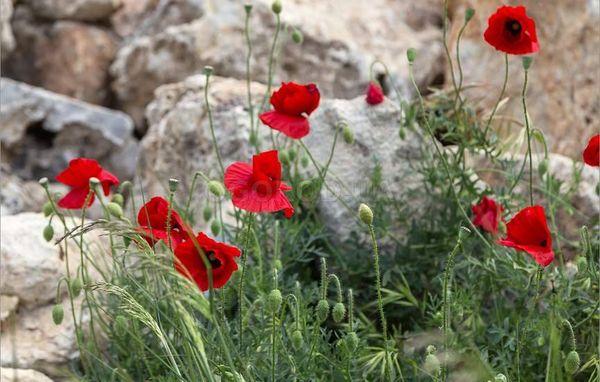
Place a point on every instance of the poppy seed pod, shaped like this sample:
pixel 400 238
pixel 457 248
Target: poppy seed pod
pixel 43 182
pixel 216 188
pixel 58 313
pixel 322 310
pixel 215 228
pixel 297 339
pixel 47 209
pixel 304 161
pixel 115 210
pixel 527 61
pixel 248 8
pixel 297 36
pixel 274 300
pixel 76 286
pixel 365 214
pixel 348 134
pixel 276 7
pixel 500 378
pixel 411 55
pixel 208 70
pixel 207 213
pixel 118 198
pixel 173 183
pixel 469 13
pixel 338 312
pixel 431 364
pixel 572 362
pixel 48 232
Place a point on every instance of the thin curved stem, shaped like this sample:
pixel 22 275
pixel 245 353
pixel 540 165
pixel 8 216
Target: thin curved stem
pixel 242 275
pixel 491 117
pixel 446 49
pixel 212 127
pixel 248 77
pixel 523 94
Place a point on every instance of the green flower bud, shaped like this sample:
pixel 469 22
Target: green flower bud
pixel 292 154
pixel 48 232
pixel 121 326
pixel 216 188
pixel 115 210
pixel 215 228
pixel 469 13
pixel 500 378
pixel 352 341
pixel 173 183
pixel 411 55
pixel 338 312
pixel 401 133
pixel 283 158
pixel 297 339
pixel 322 310
pixel 527 62
pixel 47 209
pixel 118 198
pixel 348 134
pixel 572 362
pixel 277 264
pixel 365 214
pixel 297 36
pixel 208 70
pixel 58 313
pixel 207 213
pixel 304 161
pixel 582 263
pixel 125 187
pixel 276 7
pixel 76 286
pixel 431 364
pixel 274 300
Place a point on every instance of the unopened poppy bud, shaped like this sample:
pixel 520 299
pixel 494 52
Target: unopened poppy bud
pixel 338 312
pixel 292 153
pixel 47 209
pixel 297 36
pixel 207 213
pixel 304 161
pixel 208 70
pixel 94 183
pixel 120 326
pixel 118 198
pixel 248 8
pixel 283 158
pixel 401 134
pixel 276 7
pixel 274 300
pixel 76 287
pixel 582 263
pixel 48 232
pixel 431 364
pixel 216 188
pixel 297 339
pixel 58 313
pixel 572 362
pixel 365 214
pixel 126 187
pixel 500 378
pixel 115 210
pixel 322 310
pixel 527 62
pixel 215 228
pixel 411 55
pixel 352 341
pixel 348 135
pixel 44 182
pixel 277 264
pixel 469 13
pixel 173 183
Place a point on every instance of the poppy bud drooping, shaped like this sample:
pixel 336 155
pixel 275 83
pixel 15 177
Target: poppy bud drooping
pixel 297 339
pixel 365 214
pixel 338 312
pixel 48 209
pixel 572 362
pixel 297 36
pixel 216 188
pixel 118 198
pixel 348 134
pixel 215 228
pixel 48 232
pixel 58 313
pixel 207 213
pixel 322 310
pixel 115 210
pixel 76 287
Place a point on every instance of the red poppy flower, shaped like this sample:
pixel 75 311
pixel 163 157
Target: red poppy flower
pixel 510 30
pixel 293 103
pixel 528 231
pixel 152 218
pixel 221 256
pixel 375 94
pixel 257 187
pixel 487 214
pixel 591 154
pixel 77 176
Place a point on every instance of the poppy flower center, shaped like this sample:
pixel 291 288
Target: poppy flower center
pixel 212 258
pixel 513 27
pixel 543 243
pixel 265 186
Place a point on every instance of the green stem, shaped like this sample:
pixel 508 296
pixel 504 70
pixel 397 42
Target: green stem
pixel 212 127
pixel 241 289
pixel 491 117
pixel 459 64
pixel 248 77
pixel 528 138
pixel 446 49
pixel 446 299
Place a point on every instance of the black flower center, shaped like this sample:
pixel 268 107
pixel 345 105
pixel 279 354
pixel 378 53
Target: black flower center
pixel 543 243
pixel 212 258
pixel 513 27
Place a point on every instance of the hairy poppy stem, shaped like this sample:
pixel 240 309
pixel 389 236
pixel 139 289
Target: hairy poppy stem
pixel 459 64
pixel 211 124
pixel 491 117
pixel 249 79
pixel 446 49
pixel 523 95
pixel 241 289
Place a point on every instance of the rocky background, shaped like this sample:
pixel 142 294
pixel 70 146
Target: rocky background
pixel 119 81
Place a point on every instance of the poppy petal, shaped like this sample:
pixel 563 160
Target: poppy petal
pixel 295 127
pixel 75 199
pixel 79 172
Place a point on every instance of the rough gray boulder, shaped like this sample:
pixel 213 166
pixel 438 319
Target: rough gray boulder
pixel 83 10
pixel 42 131
pixel 7 39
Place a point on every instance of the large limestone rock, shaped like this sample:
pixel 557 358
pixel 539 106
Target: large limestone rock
pixel 338 47
pixel 148 17
pixel 7 39
pixel 22 375
pixel 84 10
pixel 66 57
pixel 41 131
pixel 17 195
pixel 564 90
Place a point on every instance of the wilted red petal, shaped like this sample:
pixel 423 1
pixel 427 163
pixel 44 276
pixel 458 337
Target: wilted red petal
pixel 591 154
pixel 510 30
pixel 486 215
